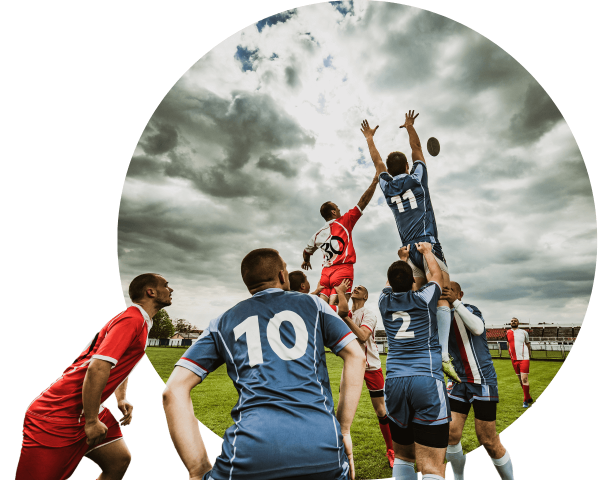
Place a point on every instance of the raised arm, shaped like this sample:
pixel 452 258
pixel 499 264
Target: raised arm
pixel 471 321
pixel 434 269
pixel 350 390
pixel 368 195
pixel 183 425
pixel 369 132
pixel 413 138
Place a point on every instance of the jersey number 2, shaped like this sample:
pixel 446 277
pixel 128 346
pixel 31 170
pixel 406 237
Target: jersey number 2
pixel 251 328
pixel 408 195
pixel 402 333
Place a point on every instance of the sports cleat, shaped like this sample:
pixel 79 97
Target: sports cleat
pixel 448 369
pixel 390 456
pixel 525 405
pixel 530 401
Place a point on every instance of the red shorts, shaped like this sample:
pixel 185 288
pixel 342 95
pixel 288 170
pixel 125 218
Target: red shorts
pixel 52 451
pixel 375 382
pixel 333 276
pixel 521 366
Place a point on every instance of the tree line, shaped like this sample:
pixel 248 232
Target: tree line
pixel 165 327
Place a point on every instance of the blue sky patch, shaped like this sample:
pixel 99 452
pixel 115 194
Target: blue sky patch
pixel 344 7
pixel 245 57
pixel 274 19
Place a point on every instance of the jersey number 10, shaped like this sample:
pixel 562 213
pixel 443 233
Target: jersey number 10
pixel 251 328
pixel 408 195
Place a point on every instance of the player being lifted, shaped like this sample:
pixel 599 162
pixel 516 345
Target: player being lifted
pixel 335 240
pixel 408 197
pixel 479 387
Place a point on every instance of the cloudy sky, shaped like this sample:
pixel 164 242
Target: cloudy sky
pixel 260 132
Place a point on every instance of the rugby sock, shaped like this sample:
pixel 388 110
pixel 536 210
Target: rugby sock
pixel 431 476
pixel 526 395
pixel 444 319
pixel 385 431
pixel 456 457
pixel 504 467
pixel 404 470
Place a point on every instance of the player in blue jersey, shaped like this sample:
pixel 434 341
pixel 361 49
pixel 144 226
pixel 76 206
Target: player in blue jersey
pixel 479 388
pixel 273 344
pixel 415 397
pixel 407 195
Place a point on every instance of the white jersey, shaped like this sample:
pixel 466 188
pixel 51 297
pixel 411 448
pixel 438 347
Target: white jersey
pixel 517 340
pixel 363 317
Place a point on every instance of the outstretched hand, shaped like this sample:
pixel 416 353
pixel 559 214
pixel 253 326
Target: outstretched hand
pixel 409 118
pixel 306 265
pixel 342 288
pixel 127 410
pixel 423 247
pixel 367 131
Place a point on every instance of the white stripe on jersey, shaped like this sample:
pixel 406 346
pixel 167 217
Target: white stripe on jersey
pixel 473 365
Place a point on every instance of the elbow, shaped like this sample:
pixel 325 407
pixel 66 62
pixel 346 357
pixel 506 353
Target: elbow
pixel 167 396
pixel 478 331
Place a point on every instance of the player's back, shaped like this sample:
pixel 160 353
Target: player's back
pixel 471 355
pixel 407 195
pixel 273 347
pixel 410 324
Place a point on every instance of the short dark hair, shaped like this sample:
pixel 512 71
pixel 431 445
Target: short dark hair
pixel 297 278
pixel 396 163
pixel 261 266
pixel 400 276
pixel 326 209
pixel 138 286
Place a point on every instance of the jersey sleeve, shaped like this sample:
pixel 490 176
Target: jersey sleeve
pixel 526 337
pixel 430 292
pixel 311 246
pixel 118 338
pixel 384 180
pixel 419 172
pixel 203 356
pixel 369 320
pixel 336 334
pixel 350 218
pixel 475 311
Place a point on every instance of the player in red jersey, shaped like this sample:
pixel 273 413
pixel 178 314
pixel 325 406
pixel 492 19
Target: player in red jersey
pixel 335 240
pixel 67 421
pixel 519 349
pixel 363 324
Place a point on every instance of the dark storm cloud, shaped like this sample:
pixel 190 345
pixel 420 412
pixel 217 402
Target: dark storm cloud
pixel 161 141
pixel 271 162
pixel 232 132
pixel 537 117
pixel 292 78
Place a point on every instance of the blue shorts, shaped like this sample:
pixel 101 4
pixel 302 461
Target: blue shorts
pixel 415 259
pixel 467 392
pixel 417 399
pixel 340 473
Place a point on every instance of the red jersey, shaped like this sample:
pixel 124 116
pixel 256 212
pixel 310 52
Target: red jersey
pixel 335 239
pixel 122 342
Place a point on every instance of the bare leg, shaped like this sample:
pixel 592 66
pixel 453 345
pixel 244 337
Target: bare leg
pixel 379 406
pixel 456 427
pixel 404 462
pixel 113 458
pixel 430 460
pixel 489 438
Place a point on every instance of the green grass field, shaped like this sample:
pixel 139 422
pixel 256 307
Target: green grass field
pixel 215 397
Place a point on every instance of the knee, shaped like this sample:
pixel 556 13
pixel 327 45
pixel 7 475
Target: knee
pixel 120 464
pixel 454 437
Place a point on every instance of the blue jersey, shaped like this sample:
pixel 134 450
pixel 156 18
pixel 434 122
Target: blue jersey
pixel 471 355
pixel 410 324
pixel 408 197
pixel 273 346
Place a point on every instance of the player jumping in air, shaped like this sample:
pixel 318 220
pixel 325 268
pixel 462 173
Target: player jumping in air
pixel 519 349
pixel 363 324
pixel 273 347
pixel 68 421
pixel 479 388
pixel 335 240
pixel 407 195
pixel 415 396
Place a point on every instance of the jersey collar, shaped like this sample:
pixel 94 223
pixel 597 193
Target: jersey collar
pixel 145 315
pixel 267 290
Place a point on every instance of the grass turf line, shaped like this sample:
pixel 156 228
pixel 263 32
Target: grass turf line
pixel 214 398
